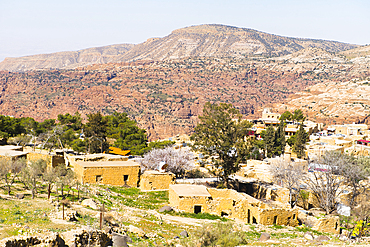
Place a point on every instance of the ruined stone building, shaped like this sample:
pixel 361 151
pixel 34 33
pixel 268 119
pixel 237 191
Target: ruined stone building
pixel 226 202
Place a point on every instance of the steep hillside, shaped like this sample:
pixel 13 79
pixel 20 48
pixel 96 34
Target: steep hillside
pixel 361 51
pixel 68 59
pixel 165 97
pixel 332 102
pixel 196 41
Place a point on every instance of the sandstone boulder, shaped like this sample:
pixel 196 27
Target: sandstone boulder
pixel 90 203
pixel 308 236
pixel 184 234
pixel 328 224
pixel 322 238
pixel 264 236
pixel 165 209
pixel 120 240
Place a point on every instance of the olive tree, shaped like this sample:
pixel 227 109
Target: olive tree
pixel 9 170
pixel 32 174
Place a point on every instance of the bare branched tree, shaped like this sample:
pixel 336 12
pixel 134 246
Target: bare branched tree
pixel 354 173
pixel 178 160
pixel 288 175
pixel 50 177
pixel 330 174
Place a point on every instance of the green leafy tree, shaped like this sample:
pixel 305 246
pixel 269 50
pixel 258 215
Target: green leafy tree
pixel 73 122
pixel 269 141
pixel 221 132
pixel 160 144
pixel 286 116
pixel 298 115
pixel 96 132
pixel 128 136
pixel 291 140
pixel 299 146
pixel 280 139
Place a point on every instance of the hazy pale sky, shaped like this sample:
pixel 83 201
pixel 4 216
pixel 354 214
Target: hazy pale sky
pixel 30 27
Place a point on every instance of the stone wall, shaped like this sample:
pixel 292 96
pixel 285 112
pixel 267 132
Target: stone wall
pixel 52 160
pixel 153 180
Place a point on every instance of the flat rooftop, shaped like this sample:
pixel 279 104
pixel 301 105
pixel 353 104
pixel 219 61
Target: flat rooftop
pixel 190 190
pixel 10 147
pixel 12 153
pixel 88 157
pixel 87 164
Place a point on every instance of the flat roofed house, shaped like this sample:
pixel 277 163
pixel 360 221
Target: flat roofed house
pixel 118 173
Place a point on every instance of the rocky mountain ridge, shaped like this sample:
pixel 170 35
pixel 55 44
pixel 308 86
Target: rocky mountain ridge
pixel 68 59
pixel 213 40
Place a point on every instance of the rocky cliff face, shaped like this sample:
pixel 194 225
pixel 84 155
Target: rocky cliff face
pixel 218 41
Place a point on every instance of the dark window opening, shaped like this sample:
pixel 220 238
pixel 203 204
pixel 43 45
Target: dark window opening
pixel 249 216
pixel 254 220
pixel 275 219
pixel 98 178
pixel 197 209
pixel 223 214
